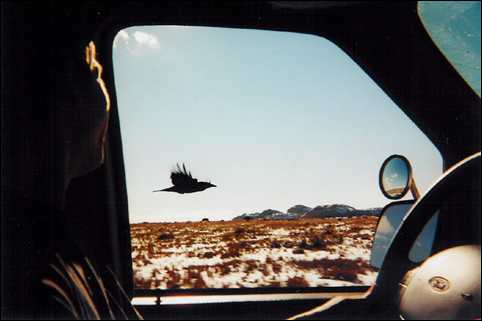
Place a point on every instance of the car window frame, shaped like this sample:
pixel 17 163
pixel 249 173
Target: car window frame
pixel 105 36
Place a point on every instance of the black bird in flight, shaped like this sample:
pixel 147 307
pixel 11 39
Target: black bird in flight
pixel 184 182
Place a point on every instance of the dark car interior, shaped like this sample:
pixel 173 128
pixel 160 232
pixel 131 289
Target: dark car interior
pixel 59 197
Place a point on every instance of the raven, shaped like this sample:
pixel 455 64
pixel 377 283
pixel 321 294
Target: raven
pixel 184 182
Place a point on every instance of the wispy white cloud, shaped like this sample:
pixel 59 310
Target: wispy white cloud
pixel 136 43
pixel 146 39
pixel 122 36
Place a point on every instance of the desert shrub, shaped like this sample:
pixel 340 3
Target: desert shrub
pixel 367 237
pixel 142 283
pixel 228 237
pixel 331 237
pixel 173 280
pixel 157 284
pixel 288 244
pixel 346 275
pixel 339 269
pixel 225 269
pixel 251 266
pixel 298 251
pixel 304 245
pixel 297 282
pixel 165 236
pixel 232 252
pixel 277 268
pixel 275 244
pixel 239 230
pixel 145 261
pixel 317 243
pixel 190 254
pixel 244 245
pixel 207 255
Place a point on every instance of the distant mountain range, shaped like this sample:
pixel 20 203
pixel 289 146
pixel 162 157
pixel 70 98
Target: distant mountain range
pixel 306 212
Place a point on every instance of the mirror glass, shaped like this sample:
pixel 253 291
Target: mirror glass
pixel 395 177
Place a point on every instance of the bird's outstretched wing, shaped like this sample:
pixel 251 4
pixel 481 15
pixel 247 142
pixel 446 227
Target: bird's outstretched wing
pixel 181 177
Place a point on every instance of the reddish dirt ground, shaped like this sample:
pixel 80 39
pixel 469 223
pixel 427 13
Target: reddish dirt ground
pixel 240 254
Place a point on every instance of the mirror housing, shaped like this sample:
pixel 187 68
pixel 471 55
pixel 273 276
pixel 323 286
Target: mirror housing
pixel 396 178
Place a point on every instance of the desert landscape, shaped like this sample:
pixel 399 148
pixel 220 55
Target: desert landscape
pixel 312 252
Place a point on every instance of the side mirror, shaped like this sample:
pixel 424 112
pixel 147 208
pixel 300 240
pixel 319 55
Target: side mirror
pixel 396 179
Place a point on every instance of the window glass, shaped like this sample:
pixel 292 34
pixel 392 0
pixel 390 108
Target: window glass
pixel 422 248
pixel 390 221
pixel 455 28
pixel 292 133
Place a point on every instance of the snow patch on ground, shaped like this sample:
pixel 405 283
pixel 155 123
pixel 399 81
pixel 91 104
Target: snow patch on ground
pixel 299 253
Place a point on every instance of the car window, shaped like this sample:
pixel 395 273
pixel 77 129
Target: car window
pixel 390 221
pixel 291 132
pixel 455 28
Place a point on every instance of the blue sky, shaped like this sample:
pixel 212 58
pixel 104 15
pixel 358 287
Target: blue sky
pixel 274 119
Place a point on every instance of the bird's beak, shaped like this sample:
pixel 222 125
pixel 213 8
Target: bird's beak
pixel 212 185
